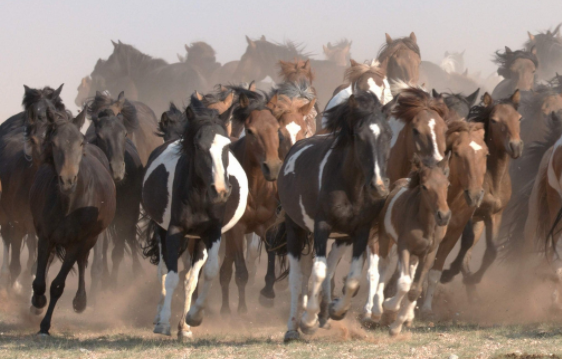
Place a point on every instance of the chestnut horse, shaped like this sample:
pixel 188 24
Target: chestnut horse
pixel 400 59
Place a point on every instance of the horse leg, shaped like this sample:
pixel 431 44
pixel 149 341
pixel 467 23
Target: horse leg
pixel 492 227
pixel 171 249
pixel 212 242
pixel 97 268
pixel 118 251
pixel 373 278
pixel 15 260
pixel 296 239
pixel 161 275
pixel 39 285
pixel 339 307
pixel 57 288
pixel 241 273
pixel 309 321
pixel 32 254
pixel 467 242
pixel 105 277
pixel 226 267
pixel 387 267
pixel 183 329
pixel 252 254
pixel 267 294
pixel 79 303
pixel 392 305
pixel 336 254
pixel 407 305
pixel 5 271
pixel 306 269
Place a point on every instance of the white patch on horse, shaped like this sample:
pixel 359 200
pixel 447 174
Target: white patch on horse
pixel 376 89
pixel 436 153
pixel 376 129
pixel 242 134
pixel 387 93
pixel 396 126
pixel 308 222
pixel 388 225
pixel 476 147
pixel 322 165
pixel 336 100
pixel 293 130
pixel 290 166
pixel 218 170
pixel 235 170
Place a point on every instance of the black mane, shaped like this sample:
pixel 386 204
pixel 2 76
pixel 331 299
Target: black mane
pixel 103 101
pixel 506 59
pixel 32 96
pixel 481 113
pixel 257 101
pixel 203 117
pixel 301 89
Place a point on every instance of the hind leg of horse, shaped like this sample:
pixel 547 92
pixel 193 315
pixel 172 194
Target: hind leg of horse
pixel 184 331
pixel 226 267
pixel 252 254
pixel 334 258
pixel 211 241
pixel 97 268
pixel 339 307
pixel 406 305
pixel 39 285
pixel 296 239
pixel 57 288
pixel 105 277
pixel 5 271
pixel 492 228
pixel 32 254
pixel 267 294
pixel 117 253
pixel 241 276
pixel 79 303
pixel 15 260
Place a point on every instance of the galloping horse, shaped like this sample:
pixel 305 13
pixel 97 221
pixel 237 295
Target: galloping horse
pixel 400 59
pixel 518 68
pixel 338 53
pixel 548 47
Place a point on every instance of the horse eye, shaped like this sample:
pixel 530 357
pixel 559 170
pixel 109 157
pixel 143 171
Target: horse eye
pixel 424 187
pixel 416 132
pixel 249 132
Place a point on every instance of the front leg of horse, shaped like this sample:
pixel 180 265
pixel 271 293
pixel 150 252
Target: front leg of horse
pixel 492 228
pixel 226 269
pixel 404 281
pixel 407 305
pixel 309 321
pixel 334 257
pixel 253 252
pixel 80 300
pixel 97 269
pixel 267 294
pixel 38 298
pixel 171 251
pixel 184 331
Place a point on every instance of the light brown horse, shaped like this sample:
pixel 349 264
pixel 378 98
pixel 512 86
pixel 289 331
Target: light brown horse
pixel 400 59
pixel 338 53
pixel 415 218
pixel 502 135
pixel 465 140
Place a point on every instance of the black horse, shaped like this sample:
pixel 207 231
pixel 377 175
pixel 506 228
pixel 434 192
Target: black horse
pixel 172 123
pixel 72 201
pixel 334 186
pixel 192 187
pixel 127 170
pixel 18 165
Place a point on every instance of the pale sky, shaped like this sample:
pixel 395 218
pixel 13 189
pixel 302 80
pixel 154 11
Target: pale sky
pixel 56 41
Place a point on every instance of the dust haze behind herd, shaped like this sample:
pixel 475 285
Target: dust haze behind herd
pixel 49 43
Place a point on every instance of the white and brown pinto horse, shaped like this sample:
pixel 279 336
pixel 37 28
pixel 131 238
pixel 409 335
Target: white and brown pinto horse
pixel 194 188
pixel 332 185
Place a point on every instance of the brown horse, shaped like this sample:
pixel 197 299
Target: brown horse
pixel 338 53
pixel 465 140
pixel 518 68
pixel 415 218
pixel 502 135
pixel 549 52
pixel 400 59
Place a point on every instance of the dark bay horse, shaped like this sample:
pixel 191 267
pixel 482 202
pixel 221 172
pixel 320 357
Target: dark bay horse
pixel 192 187
pixel 400 59
pixel 332 185
pixel 548 47
pixel 72 201
pixel 110 135
pixel 139 120
pixel 518 68
pixel 21 137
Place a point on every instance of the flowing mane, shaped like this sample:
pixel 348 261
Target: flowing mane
pixel 411 101
pixel 287 50
pixel 507 58
pixel 257 101
pixel 357 70
pixel 203 117
pixel 32 96
pixel 130 62
pixel 387 50
pixel 545 42
pixel 301 89
pixel 293 70
pixel 481 113
pixel 102 100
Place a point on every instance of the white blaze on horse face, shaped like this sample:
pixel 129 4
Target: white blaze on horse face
pixel 322 165
pixel 436 153
pixel 293 130
pixel 219 172
pixel 388 225
pixel 476 147
pixel 308 222
pixel 376 131
pixel 290 166
pixel 336 100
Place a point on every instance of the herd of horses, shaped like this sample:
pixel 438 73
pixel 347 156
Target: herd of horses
pixel 394 173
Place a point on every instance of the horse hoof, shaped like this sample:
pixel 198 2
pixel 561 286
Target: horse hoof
pixel 291 336
pixel 79 303
pixel 309 329
pixel 242 309
pixel 388 317
pixel 408 323
pixel 333 314
pixel 324 323
pixel 394 331
pixel 35 311
pixel 367 321
pixel 17 288
pixel 39 301
pixel 266 302
pixel 193 321
pixel 163 329
pixel 43 335
pixel 225 312
pixel 446 276
pixel 185 335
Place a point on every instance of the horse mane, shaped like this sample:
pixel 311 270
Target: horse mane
pixel 134 61
pixel 301 89
pixel 286 105
pixel 354 73
pixel 102 100
pixel 451 99
pixel 341 119
pixel 257 102
pixel 203 117
pixel 286 50
pixel 506 59
pixel 201 47
pixel 481 113
pixel 35 95
pixel 411 101
pixel 387 50
pixel 61 118
pixel 544 38
pixel 218 95
pixel 287 68
pixel 341 44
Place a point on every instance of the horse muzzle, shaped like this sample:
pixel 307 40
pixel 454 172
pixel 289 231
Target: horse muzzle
pixel 442 218
pixel 219 195
pixel 474 198
pixel 270 169
pixel 515 148
pixel 117 171
pixel 379 189
pixel 67 184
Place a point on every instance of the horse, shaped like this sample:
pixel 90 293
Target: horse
pixel 345 202
pixel 202 57
pixel 465 140
pixel 458 104
pixel 125 166
pixel 140 121
pixel 171 124
pixel 435 77
pixel 20 152
pixel 300 92
pixel 453 62
pixel 83 91
pixel 338 53
pixel 72 201
pixel 192 187
pixel 548 47
pixel 414 218
pixel 501 121
pixel 222 101
pixel 518 68
pixel 400 59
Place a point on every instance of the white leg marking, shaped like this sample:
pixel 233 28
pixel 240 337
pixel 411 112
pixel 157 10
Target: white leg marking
pixel 322 165
pixel 436 153
pixel 295 284
pixel 172 280
pixel 293 130
pixel 387 266
pixel 218 170
pixel 162 278
pixel 373 277
pixel 308 222
pixel 334 257
pixel 290 165
pixel 351 284
pixel 432 282
pixel 310 316
pixel 210 271
pixel 183 327
pixel 388 224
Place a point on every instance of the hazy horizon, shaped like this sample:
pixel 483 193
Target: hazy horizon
pixel 49 43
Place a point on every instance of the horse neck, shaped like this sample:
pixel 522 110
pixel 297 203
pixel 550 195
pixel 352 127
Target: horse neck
pixel 426 217
pixel 354 177
pixel 497 164
pixel 401 155
pixel 246 156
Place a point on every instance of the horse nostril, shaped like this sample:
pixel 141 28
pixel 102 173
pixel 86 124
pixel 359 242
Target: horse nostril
pixel 265 169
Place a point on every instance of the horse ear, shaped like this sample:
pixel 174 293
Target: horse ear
pixel 508 50
pixel 388 38
pixel 251 43
pixel 515 98
pixel 413 37
pixel 228 100
pixel 531 36
pixel 252 86
pixel 353 62
pixel 198 95
pixel 487 100
pixel 222 88
pixel 243 101
pixel 180 57
pixel 556 29
pixel 173 106
pixel 79 120
pixel 57 92
pixel 189 114
pixel 305 110
pixel 435 94
pixel 27 90
pixel 373 62
pixel 472 97
pixel 273 102
pixel 121 99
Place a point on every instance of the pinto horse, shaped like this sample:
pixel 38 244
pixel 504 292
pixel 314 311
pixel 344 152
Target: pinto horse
pixel 139 120
pixel 192 187
pixel 518 68
pixel 332 185
pixel 400 59
pixel 72 201
pixel 415 218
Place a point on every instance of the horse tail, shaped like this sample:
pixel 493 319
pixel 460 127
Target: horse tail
pixel 276 241
pixel 151 246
